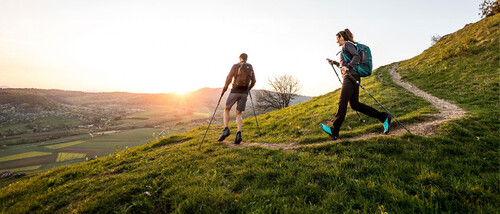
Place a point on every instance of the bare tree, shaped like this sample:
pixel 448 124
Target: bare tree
pixel 435 39
pixel 489 8
pixel 284 89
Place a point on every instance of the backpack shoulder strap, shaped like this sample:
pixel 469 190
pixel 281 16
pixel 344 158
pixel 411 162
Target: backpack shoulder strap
pixel 343 48
pixel 251 73
pixel 346 58
pixel 355 45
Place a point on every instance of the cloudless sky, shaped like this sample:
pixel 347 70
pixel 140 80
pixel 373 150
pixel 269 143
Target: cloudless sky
pixel 165 46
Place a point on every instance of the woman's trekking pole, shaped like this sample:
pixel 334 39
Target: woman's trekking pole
pixel 251 100
pixel 379 103
pixel 335 72
pixel 211 120
pixel 360 119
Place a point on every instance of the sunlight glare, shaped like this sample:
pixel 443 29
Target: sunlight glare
pixel 182 91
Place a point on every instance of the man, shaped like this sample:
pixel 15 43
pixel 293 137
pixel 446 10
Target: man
pixel 244 80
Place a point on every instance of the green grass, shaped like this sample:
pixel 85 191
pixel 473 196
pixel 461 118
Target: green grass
pixel 404 174
pixel 102 146
pixel 23 155
pixel 24 169
pixel 63 145
pixel 57 121
pixel 54 122
pixel 66 156
pixel 455 171
pixel 129 138
pixel 299 123
pixel 162 116
pixel 464 67
pixel 14 127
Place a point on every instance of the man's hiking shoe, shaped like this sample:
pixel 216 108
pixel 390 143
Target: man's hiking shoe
pixel 387 124
pixel 238 139
pixel 224 134
pixel 328 130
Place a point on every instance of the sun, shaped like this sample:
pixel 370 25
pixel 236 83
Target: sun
pixel 182 92
pixel 179 87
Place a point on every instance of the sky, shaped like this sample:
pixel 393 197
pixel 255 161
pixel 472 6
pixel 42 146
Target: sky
pixel 154 46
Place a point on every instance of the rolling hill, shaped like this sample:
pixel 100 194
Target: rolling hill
pixel 453 171
pixel 203 96
pixel 28 102
pixel 36 115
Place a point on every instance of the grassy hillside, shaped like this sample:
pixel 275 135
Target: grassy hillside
pixel 464 67
pixel 299 123
pixel 455 171
pixel 28 102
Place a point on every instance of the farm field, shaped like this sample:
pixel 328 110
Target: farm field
pixel 51 121
pixel 135 129
pixel 46 155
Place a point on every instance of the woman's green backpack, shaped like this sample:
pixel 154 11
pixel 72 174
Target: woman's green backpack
pixel 364 68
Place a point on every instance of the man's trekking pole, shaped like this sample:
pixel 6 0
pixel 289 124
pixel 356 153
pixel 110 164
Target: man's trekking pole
pixel 379 103
pixel 251 100
pixel 360 119
pixel 211 120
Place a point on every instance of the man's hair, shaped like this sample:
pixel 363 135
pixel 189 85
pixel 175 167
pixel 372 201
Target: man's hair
pixel 244 56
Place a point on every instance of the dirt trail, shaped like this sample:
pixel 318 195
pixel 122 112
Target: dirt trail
pixel 447 111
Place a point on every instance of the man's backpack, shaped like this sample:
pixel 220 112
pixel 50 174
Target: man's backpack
pixel 243 76
pixel 364 68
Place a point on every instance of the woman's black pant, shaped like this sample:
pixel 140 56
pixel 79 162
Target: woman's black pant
pixel 350 94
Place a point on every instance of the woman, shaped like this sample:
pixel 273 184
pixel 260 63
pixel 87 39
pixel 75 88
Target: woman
pixel 350 89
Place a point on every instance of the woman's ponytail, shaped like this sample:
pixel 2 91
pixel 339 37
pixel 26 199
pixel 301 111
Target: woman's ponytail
pixel 346 34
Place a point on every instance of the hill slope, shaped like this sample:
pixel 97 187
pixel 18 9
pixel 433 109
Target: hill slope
pixel 27 102
pixel 455 171
pixel 200 97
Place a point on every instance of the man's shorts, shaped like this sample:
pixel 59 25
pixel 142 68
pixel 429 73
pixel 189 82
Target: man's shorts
pixel 240 98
